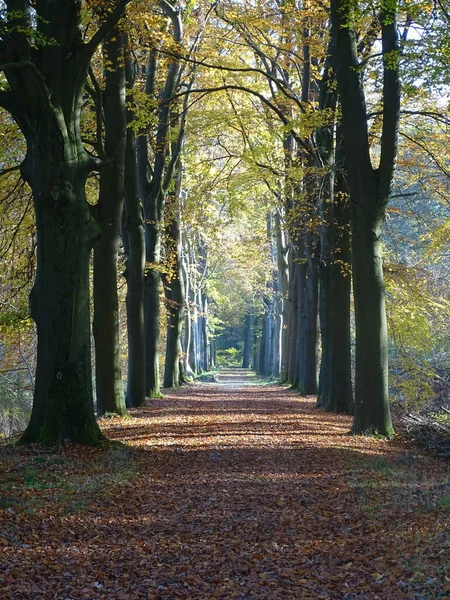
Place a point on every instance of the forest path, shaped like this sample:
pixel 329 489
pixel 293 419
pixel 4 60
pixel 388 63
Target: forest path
pixel 226 491
pixel 238 378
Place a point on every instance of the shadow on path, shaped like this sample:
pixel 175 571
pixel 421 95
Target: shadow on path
pixel 231 491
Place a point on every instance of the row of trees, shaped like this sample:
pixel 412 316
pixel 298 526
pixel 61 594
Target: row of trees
pixel 127 146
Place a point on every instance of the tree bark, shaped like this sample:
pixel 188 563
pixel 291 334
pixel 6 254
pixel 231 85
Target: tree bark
pixel 340 397
pixel 293 303
pixel 283 286
pixel 307 383
pixel 370 190
pixel 46 86
pixel 59 301
pixel 108 213
pixel 173 288
pixel 133 233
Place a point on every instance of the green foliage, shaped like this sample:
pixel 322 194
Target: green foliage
pixel 208 377
pixel 416 319
pixel 19 22
pixel 230 357
pixel 391 60
pixel 445 502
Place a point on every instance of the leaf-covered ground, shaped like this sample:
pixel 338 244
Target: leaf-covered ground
pixel 229 491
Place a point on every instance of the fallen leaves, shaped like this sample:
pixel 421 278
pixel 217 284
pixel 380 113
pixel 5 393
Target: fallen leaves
pixel 227 493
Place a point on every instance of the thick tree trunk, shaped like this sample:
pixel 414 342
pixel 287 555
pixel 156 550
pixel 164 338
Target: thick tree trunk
pixel 276 340
pixel 264 362
pixel 187 336
pixel 152 311
pixel 300 288
pixel 45 95
pixel 174 297
pixel 108 211
pixel 340 397
pixel 283 287
pixel 203 326
pixel 325 142
pixel 195 345
pixel 370 190
pixel 325 301
pixel 293 300
pixel 335 385
pixel 372 413
pixel 59 301
pixel 336 393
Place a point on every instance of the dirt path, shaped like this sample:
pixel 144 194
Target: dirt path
pixel 226 491
pixel 238 378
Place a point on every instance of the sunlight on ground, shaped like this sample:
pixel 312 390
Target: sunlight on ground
pixel 226 492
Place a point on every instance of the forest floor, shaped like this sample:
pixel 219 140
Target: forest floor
pixel 233 490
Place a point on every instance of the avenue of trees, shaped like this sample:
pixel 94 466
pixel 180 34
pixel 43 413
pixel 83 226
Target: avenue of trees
pixel 262 183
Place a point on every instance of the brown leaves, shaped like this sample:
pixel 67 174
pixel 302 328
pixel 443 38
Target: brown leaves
pixel 228 494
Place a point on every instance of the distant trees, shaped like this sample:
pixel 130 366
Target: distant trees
pixel 225 155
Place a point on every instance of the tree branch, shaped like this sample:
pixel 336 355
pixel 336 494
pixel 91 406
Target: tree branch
pixel 391 96
pixel 108 25
pixel 10 170
pixel 263 99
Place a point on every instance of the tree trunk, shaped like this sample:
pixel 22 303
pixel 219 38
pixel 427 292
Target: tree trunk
pixel 187 337
pixel 173 288
pixel 248 341
pixel 174 298
pixel 44 95
pixel 133 233
pixel 335 385
pixel 108 212
pixel 370 190
pixel 152 311
pixel 372 413
pixel 301 280
pixel 59 301
pixel 203 323
pixel 283 287
pixel 264 348
pixel 308 352
pixel 195 346
pixel 292 324
pixel 325 301
pixel 276 338
pixel 340 397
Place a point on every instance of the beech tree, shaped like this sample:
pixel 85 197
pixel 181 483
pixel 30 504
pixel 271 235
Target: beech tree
pixel 370 189
pixel 134 245
pixel 108 214
pixel 45 62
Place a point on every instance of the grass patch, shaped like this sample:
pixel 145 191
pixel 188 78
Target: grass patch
pixel 380 465
pixel 445 502
pixel 207 377
pixel 70 483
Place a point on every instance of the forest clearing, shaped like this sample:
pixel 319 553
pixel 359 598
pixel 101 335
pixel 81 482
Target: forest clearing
pixel 234 490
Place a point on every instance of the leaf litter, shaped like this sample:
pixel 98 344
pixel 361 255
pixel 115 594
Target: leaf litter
pixel 225 492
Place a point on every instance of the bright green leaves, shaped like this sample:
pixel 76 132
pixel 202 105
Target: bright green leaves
pixel 391 60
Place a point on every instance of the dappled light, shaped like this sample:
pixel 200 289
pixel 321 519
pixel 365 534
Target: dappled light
pixel 224 307
pixel 226 491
